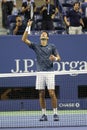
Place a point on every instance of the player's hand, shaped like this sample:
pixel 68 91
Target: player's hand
pixel 52 58
pixel 29 23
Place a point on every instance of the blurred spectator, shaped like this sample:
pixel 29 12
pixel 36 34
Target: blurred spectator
pixel 73 19
pixel 48 12
pixel 18 27
pixel 84 13
pixel 10 4
pixel 12 93
pixel 7 7
pixel 59 5
pixel 5 95
pixel 4 13
pixel 28 9
pixel 15 10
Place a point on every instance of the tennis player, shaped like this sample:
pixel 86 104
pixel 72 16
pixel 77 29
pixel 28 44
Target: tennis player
pixel 46 54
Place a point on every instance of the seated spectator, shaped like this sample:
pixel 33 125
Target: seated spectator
pixel 19 27
pixel 12 93
pixel 48 12
pixel 73 19
pixel 84 13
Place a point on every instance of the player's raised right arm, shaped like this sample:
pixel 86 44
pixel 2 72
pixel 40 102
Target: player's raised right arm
pixel 26 33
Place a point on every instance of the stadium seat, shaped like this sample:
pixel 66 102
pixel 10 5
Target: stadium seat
pixel 11 19
pixel 58 25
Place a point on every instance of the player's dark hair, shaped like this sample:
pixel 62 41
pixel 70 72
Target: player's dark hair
pixel 46 33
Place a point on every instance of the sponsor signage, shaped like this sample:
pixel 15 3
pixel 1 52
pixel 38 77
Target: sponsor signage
pixel 17 57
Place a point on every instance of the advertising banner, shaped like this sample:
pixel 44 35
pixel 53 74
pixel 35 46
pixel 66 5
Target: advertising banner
pixel 17 57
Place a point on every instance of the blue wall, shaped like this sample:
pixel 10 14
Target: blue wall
pixel 72 50
pixel 15 56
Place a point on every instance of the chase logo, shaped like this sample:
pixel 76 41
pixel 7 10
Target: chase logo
pixel 69 105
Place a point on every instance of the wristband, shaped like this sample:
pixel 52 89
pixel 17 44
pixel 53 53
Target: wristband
pixel 28 29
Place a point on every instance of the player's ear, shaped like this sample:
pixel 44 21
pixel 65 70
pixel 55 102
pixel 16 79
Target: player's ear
pixel 47 37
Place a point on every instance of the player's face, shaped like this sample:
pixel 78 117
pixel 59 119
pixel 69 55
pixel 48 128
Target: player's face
pixel 44 38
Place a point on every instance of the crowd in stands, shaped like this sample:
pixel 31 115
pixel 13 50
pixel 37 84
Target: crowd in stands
pixel 64 16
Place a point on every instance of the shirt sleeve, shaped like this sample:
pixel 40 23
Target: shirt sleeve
pixel 54 50
pixel 32 46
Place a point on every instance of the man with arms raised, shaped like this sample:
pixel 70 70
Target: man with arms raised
pixel 46 54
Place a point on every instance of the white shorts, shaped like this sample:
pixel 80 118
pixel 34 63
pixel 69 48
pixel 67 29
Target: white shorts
pixel 45 79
